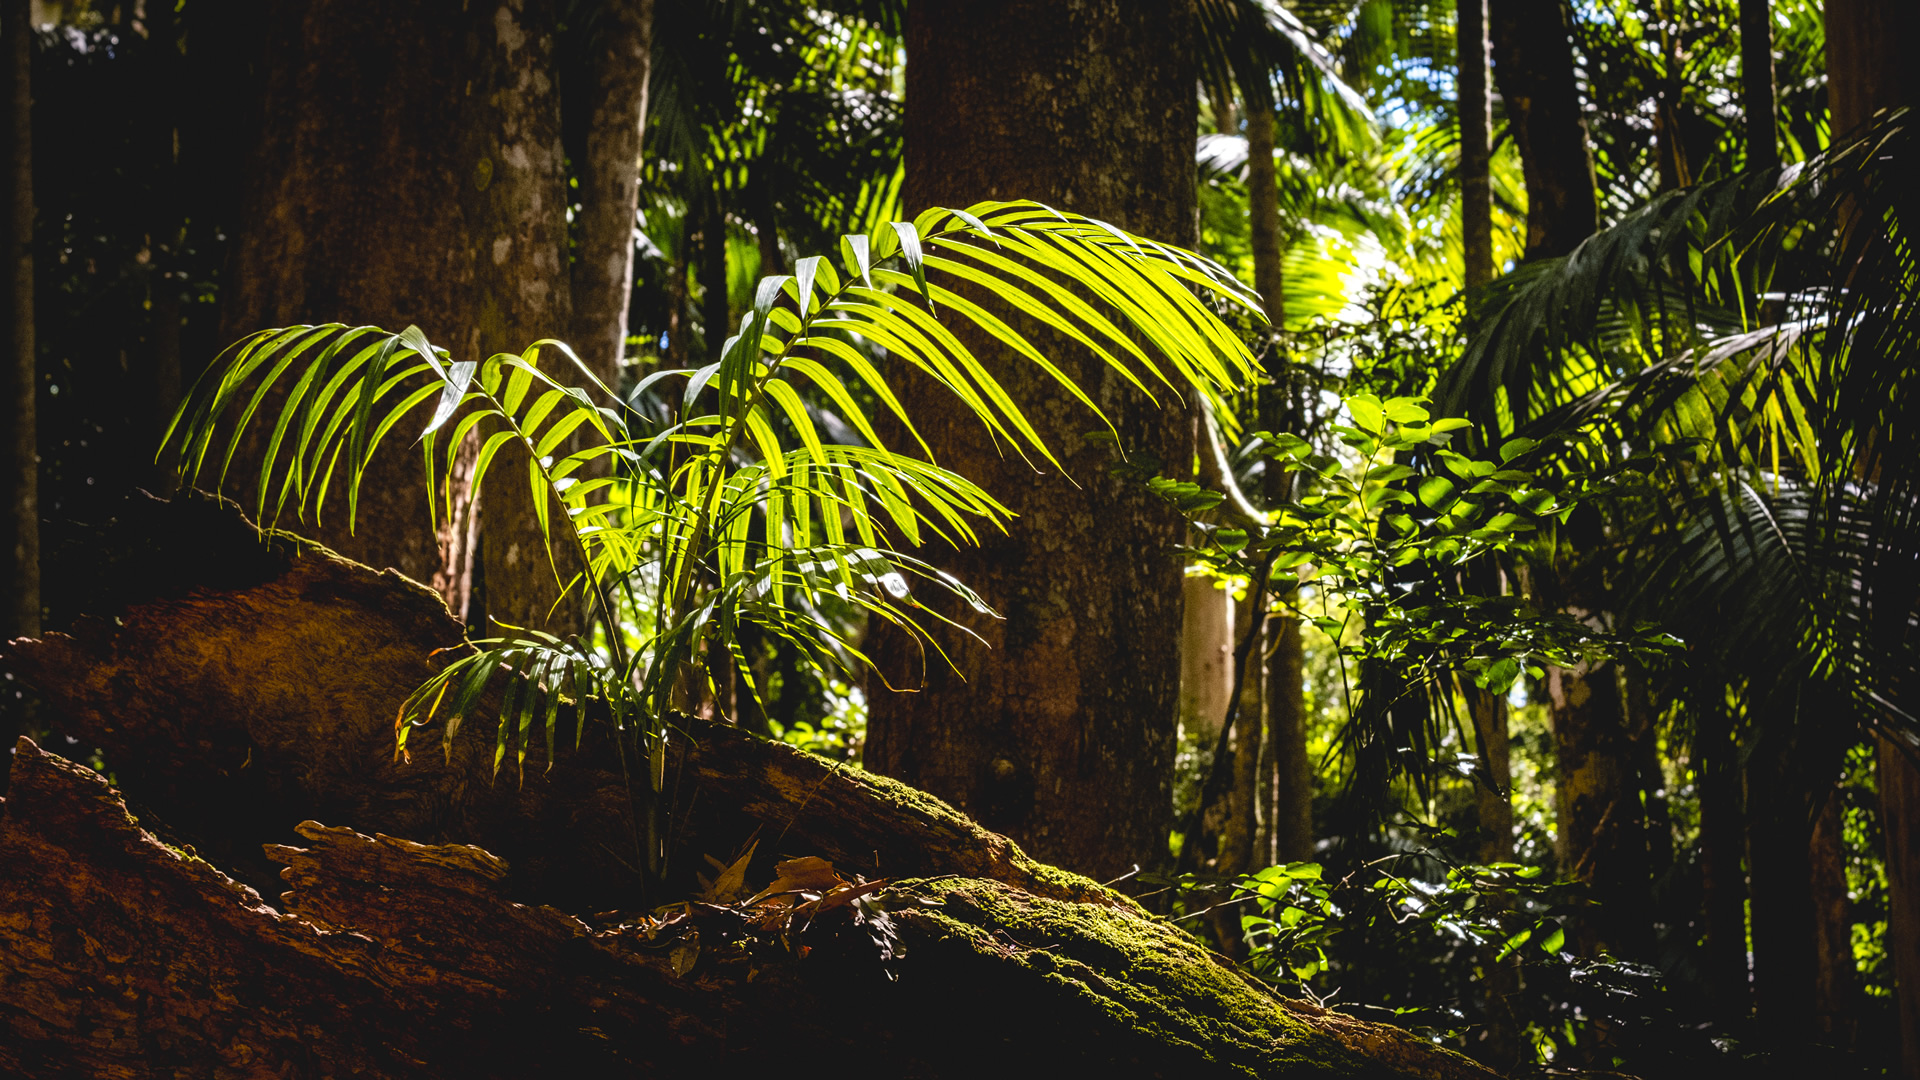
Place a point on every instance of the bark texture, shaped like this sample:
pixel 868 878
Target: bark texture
pixel 21 535
pixel 378 196
pixel 1060 732
pixel 1476 149
pixel 1756 83
pixel 1602 839
pixel 1533 68
pixel 610 185
pixel 400 950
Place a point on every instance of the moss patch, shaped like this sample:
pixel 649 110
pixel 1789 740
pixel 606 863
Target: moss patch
pixel 1157 1001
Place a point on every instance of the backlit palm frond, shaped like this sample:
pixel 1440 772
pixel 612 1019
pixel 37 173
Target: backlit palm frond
pixel 738 504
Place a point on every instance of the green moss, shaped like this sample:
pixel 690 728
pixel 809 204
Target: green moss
pixel 1143 984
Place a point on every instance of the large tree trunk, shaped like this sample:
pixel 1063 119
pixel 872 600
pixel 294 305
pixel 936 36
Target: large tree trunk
pixel 1533 67
pixel 20 532
pixel 602 273
pixel 1476 150
pixel 1060 732
pixel 1869 67
pixel 377 196
pixel 245 687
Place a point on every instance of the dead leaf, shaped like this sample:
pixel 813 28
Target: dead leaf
pixel 809 873
pixel 684 954
pixel 732 881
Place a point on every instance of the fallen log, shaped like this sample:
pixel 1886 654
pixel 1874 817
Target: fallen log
pixel 243 708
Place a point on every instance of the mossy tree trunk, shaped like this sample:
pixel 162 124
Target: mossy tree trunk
pixel 1060 731
pixel 247 688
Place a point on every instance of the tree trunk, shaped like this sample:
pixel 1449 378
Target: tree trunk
pixel 1899 784
pixel 1533 68
pixel 1868 68
pixel 1835 1011
pixel 1723 882
pixel 522 295
pixel 1476 150
pixel 1778 846
pixel 1061 732
pixel 247 686
pixel 602 272
pixel 376 196
pixel 1206 657
pixel 1602 837
pixel 1670 148
pixel 1287 772
pixel 1756 83
pixel 714 312
pixel 1500 1047
pixel 22 464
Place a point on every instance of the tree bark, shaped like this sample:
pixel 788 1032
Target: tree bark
pixel 376 196
pixel 1756 83
pixel 1899 784
pixel 602 272
pixel 1476 150
pixel 247 683
pixel 1061 731
pixel 1206 657
pixel 1533 68
pixel 1602 839
pixel 1722 879
pixel 1778 852
pixel 1869 68
pixel 22 463
pixel 1287 772
pixel 523 297
pixel 1835 1011
pixel 1500 1047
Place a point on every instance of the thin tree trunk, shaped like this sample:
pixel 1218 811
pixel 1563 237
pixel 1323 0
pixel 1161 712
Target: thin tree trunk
pixel 1291 804
pixel 1500 1038
pixel 1060 733
pixel 1778 851
pixel 1476 150
pixel 22 614
pixel 1288 774
pixel 1533 68
pixel 1643 727
pixel 1723 882
pixel 1602 839
pixel 1669 144
pixel 1835 1010
pixel 166 227
pixel 1756 83
pixel 602 272
pixel 714 313
pixel 1899 784
pixel 1206 657
pixel 376 196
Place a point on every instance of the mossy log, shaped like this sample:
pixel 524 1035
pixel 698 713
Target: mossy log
pixel 242 691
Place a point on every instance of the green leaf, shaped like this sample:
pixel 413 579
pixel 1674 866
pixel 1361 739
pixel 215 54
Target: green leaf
pixel 1367 414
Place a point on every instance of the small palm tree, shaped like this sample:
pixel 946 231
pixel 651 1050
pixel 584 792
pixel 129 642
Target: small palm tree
pixel 733 508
